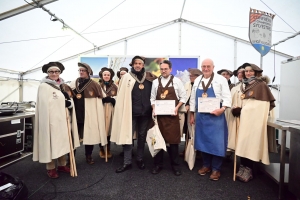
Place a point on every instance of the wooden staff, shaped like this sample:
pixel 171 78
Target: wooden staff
pixel 73 170
pixel 236 136
pixel 234 167
pixel 106 129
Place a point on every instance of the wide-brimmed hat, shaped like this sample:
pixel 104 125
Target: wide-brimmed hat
pixel 136 57
pixel 53 64
pixel 87 67
pixel 112 73
pixel 225 70
pixel 235 72
pixel 194 71
pixel 255 68
pixel 121 69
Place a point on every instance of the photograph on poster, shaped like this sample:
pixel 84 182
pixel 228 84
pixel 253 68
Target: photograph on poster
pixel 96 63
pixel 151 63
pixel 181 65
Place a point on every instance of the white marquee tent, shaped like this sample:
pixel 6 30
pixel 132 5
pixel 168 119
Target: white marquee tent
pixel 216 29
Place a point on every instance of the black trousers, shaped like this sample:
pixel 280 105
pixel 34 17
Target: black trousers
pixel 173 151
pixel 88 148
pixel 247 162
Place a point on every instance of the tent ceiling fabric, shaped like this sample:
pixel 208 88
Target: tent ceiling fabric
pixel 130 17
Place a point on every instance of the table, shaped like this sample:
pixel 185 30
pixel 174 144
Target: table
pixel 17 116
pixel 285 126
pixel 294 176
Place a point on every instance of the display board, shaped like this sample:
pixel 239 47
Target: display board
pixel 289 108
pixel 289 90
pixel 180 65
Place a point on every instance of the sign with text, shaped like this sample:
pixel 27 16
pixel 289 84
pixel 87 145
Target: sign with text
pixel 260 30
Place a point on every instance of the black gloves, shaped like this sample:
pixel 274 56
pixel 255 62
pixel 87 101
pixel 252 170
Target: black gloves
pixel 68 103
pixel 236 111
pixel 66 95
pixel 109 100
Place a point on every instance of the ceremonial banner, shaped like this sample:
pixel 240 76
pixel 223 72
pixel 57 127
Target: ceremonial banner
pixel 260 30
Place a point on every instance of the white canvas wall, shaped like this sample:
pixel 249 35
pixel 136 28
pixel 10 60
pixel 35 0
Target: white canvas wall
pixel 6 87
pixel 165 41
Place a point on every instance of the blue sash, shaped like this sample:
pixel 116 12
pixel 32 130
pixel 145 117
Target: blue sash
pixel 211 133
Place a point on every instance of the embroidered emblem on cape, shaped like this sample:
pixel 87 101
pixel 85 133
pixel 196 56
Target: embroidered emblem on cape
pixel 91 93
pixel 54 95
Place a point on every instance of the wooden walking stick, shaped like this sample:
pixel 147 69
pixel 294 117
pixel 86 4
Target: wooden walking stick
pixel 73 170
pixel 237 131
pixel 107 126
pixel 236 136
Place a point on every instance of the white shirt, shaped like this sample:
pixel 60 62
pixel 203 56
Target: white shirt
pixel 178 87
pixel 220 87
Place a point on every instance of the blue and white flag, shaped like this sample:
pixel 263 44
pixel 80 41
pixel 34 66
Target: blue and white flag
pixel 260 30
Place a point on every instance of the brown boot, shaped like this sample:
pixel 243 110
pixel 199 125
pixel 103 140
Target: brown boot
pixel 89 160
pixel 102 153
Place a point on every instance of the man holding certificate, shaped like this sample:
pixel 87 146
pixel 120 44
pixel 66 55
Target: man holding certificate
pixel 167 95
pixel 209 99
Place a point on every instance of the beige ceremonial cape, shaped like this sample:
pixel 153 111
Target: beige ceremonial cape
pixel 51 138
pixel 252 142
pixel 94 123
pixel 121 132
pixel 231 120
pixel 108 109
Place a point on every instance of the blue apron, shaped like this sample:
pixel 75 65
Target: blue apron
pixel 211 133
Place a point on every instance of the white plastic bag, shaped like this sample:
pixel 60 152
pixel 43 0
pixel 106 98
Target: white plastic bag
pixel 155 140
pixel 190 152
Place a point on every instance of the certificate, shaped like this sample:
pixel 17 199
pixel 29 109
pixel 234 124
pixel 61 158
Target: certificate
pixel 207 105
pixel 164 107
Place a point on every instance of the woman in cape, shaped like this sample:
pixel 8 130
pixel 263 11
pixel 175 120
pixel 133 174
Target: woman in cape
pixel 109 90
pixel 252 142
pixel 51 131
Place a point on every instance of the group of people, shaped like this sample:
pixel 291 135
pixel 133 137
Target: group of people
pixel 107 112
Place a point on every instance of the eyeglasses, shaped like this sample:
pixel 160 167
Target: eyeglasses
pixel 53 72
pixel 82 70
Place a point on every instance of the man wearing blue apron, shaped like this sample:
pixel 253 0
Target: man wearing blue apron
pixel 211 133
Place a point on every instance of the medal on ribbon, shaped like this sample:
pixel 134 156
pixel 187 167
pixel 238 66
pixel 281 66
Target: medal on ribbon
pixel 205 87
pixel 78 96
pixel 141 86
pixel 242 96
